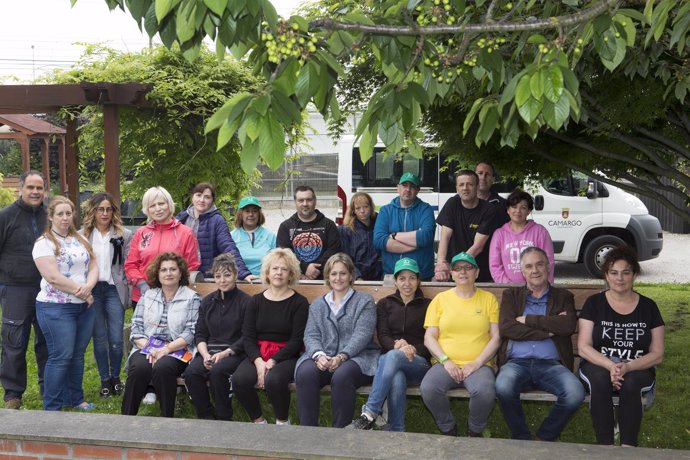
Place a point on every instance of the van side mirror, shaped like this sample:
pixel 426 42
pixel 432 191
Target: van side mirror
pixel 539 202
pixel 592 189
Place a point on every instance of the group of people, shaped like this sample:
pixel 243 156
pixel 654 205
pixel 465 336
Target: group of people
pixel 230 344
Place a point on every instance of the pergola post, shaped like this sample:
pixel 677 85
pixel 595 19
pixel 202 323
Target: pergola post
pixel 72 165
pixel 24 146
pixel 45 162
pixel 62 166
pixel 112 157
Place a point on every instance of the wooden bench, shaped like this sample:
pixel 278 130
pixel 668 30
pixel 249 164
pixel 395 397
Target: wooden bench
pixel 313 289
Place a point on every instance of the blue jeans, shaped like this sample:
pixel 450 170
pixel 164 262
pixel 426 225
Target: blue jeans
pixel 107 330
pixel 540 374
pixel 67 328
pixel 393 374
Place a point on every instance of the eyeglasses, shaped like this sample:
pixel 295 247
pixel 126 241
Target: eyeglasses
pixel 104 210
pixel 463 268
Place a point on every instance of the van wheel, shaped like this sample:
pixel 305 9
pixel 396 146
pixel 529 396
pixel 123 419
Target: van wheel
pixel 596 251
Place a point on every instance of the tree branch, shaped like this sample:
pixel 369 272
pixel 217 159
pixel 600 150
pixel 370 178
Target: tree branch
pixel 550 23
pixel 682 151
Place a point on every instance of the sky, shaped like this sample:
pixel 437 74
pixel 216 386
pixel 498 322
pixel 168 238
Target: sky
pixel 37 36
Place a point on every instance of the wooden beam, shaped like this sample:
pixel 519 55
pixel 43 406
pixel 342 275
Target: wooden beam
pixel 49 98
pixel 72 165
pixel 112 158
pixel 45 162
pixel 62 165
pixel 26 158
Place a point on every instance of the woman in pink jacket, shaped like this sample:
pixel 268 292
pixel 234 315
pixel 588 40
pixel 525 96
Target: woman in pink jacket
pixel 162 233
pixel 508 242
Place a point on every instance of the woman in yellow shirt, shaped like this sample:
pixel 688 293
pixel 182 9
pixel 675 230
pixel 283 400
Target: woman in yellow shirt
pixel 462 335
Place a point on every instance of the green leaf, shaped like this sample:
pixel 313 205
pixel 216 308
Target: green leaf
pixel 411 4
pixel 285 109
pixel 509 91
pixel 272 142
pixel 529 111
pixel 301 22
pixel 307 83
pixel 648 10
pixel 230 110
pixel 249 157
pixel 252 125
pixel 225 133
pixel 574 105
pixel 184 21
pixel 536 83
pixel 260 104
pixel 367 142
pixel 523 91
pixel 419 93
pixel 471 114
pixel 270 14
pixel 556 114
pixel 629 27
pixel 217 6
pixel 553 83
pixel 487 125
pixel 287 77
pixel 536 39
pixel 330 60
pixel 138 9
pixel 150 21
pixel 163 7
pixel 358 18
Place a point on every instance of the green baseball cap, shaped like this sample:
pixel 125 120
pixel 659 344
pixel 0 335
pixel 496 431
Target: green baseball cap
pixel 464 257
pixel 249 201
pixel 409 177
pixel 406 264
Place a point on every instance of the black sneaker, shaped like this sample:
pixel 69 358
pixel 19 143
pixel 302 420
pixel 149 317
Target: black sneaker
pixel 362 423
pixel 117 386
pixel 106 389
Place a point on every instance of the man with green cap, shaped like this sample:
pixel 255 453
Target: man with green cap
pixel 405 228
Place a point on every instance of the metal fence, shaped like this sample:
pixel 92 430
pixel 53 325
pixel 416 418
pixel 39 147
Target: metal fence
pixel 320 171
pixel 669 221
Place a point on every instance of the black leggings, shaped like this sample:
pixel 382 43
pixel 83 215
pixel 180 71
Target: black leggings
pixel 597 381
pixel 163 375
pixel 276 386
pixel 196 378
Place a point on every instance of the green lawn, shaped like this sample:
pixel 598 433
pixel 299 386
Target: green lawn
pixel 665 425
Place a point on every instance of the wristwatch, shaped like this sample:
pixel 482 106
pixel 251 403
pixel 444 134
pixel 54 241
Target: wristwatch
pixel 393 234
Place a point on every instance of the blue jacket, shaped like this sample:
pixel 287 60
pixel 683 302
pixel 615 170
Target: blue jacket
pixel 359 245
pixel 420 218
pixel 214 239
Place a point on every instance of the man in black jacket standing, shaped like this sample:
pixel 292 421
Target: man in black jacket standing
pixel 312 236
pixel 21 223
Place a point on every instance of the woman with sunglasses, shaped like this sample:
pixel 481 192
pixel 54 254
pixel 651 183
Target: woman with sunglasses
pixel 462 336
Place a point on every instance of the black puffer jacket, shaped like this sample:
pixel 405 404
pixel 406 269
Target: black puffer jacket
pixel 20 226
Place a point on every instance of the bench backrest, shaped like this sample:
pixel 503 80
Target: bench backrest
pixel 313 289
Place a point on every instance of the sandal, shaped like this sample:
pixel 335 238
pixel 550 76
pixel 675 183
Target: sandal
pixel 85 406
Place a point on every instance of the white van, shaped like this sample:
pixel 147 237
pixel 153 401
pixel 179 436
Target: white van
pixel 584 217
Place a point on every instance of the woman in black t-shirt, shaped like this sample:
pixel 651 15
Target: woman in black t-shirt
pixel 621 340
pixel 273 331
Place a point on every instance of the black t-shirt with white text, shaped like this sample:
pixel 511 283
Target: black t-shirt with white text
pixel 621 337
pixel 466 223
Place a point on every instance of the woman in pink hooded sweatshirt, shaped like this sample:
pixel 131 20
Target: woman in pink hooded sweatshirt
pixel 508 242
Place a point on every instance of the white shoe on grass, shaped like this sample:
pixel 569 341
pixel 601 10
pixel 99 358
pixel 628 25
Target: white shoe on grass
pixel 150 398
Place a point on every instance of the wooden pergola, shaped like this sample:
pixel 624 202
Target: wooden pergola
pixel 27 99
pixel 23 128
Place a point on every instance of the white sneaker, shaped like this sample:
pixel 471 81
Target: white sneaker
pixel 150 398
pixel 281 422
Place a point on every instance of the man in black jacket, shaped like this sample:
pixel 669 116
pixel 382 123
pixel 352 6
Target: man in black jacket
pixel 21 223
pixel 312 236
pixel 536 322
